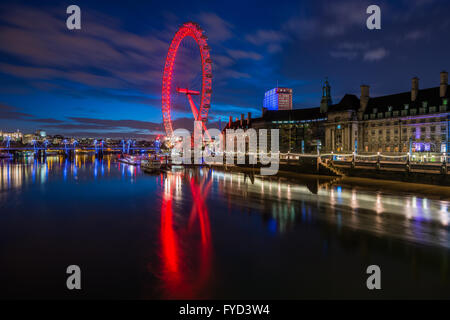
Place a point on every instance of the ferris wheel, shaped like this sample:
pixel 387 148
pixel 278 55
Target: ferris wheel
pixel 187 74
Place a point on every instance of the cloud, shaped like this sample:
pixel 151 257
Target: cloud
pixel 102 127
pixel 262 37
pixel 240 54
pixel 10 113
pixel 340 16
pixel 416 35
pixel 350 55
pixel 335 18
pixel 302 27
pixel 97 57
pixel 235 74
pixel 113 135
pixel 271 39
pixel 353 45
pixel 375 54
pixel 117 124
pixel 217 28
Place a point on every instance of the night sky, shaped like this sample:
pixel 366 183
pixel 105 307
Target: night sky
pixel 105 79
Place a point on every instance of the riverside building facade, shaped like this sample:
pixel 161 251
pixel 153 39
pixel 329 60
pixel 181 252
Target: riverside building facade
pixel 415 121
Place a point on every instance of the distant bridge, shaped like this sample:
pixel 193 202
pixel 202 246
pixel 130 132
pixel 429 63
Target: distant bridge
pixel 70 148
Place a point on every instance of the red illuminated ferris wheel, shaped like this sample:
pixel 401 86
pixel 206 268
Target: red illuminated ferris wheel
pixel 193 30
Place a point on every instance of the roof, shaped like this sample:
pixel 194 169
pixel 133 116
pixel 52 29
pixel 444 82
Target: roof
pixel 348 102
pixel 398 101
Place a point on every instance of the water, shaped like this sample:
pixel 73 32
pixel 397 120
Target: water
pixel 208 234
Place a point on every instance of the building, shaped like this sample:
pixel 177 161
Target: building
pixel 415 121
pixel 412 121
pixel 301 130
pixel 15 136
pixel 41 133
pixel 28 138
pixel 278 99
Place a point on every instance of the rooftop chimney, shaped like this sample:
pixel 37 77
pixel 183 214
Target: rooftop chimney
pixel 444 84
pixel 249 117
pixel 230 121
pixel 414 88
pixel 364 99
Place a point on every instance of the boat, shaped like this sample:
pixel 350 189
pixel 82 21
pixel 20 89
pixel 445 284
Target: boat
pixel 4 155
pixel 155 165
pixel 152 166
pixel 130 160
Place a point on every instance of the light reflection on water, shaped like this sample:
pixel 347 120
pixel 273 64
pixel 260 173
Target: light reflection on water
pixel 407 217
pixel 192 219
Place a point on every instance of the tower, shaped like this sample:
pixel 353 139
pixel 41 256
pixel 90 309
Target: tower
pixel 326 97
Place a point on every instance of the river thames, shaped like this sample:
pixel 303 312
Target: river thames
pixel 206 234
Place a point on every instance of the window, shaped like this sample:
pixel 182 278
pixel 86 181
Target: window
pixel 445 102
pixel 406 106
pixel 433 128
pixel 404 130
pixel 389 108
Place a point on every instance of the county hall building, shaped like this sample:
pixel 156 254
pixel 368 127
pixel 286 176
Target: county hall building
pixel 412 121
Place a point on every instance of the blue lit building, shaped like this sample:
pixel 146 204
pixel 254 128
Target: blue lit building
pixel 278 99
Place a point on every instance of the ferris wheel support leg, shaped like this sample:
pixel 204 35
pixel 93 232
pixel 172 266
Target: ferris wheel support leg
pixel 195 112
pixel 193 107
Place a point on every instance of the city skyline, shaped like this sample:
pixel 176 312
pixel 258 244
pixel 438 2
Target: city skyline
pixel 105 79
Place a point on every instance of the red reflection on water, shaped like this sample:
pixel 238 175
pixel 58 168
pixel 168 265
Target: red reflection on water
pixel 185 261
pixel 169 237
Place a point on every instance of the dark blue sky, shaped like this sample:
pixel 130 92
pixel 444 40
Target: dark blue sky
pixel 105 79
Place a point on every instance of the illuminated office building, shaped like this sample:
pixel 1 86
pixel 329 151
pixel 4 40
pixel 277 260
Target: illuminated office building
pixel 278 99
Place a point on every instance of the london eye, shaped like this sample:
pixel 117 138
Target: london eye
pixel 187 78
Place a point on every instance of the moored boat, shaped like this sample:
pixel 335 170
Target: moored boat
pixel 131 160
pixel 4 155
